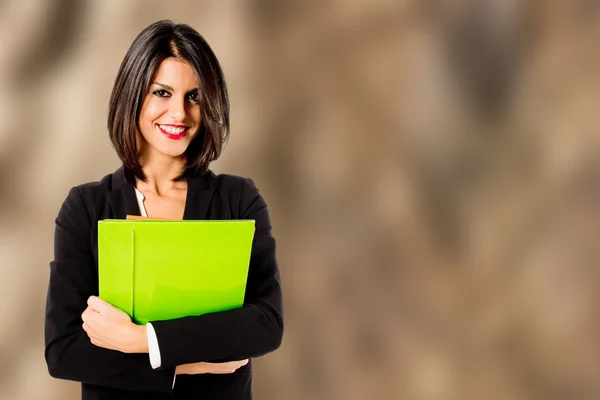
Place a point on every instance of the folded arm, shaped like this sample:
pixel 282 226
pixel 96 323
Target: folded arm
pixel 73 278
pixel 247 332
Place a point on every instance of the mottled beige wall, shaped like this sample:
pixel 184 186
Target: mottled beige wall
pixel 431 168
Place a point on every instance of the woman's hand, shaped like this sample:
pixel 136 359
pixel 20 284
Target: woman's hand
pixel 210 368
pixel 112 329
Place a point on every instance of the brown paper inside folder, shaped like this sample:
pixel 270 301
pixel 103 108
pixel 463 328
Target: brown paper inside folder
pixel 133 217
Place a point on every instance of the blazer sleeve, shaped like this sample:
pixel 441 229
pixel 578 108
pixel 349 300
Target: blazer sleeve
pixel 247 332
pixel 73 278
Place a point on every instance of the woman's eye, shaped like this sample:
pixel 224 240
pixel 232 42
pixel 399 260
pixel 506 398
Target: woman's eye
pixel 160 92
pixel 193 96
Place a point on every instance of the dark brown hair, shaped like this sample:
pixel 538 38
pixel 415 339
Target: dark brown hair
pixel 161 40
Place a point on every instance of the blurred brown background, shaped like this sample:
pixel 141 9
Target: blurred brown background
pixel 431 166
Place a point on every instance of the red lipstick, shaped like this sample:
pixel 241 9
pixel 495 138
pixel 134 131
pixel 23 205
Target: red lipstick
pixel 172 135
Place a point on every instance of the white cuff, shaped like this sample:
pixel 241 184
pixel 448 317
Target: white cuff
pixel 153 349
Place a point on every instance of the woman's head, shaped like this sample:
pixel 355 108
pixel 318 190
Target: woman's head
pixel 169 98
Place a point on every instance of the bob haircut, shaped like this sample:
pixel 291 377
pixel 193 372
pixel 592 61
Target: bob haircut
pixel 161 40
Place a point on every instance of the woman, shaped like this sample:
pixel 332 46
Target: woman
pixel 168 119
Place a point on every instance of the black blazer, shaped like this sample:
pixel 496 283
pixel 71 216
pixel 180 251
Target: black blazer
pixel 247 332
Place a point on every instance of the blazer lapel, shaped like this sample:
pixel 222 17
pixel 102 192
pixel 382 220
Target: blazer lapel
pixel 200 193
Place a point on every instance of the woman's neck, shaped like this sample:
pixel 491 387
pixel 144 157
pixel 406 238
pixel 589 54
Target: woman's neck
pixel 160 174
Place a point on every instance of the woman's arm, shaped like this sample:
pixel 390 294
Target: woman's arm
pixel 73 278
pixel 250 331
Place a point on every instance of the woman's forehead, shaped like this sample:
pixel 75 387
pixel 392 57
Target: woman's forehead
pixel 176 73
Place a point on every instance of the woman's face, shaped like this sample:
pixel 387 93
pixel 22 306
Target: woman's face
pixel 170 117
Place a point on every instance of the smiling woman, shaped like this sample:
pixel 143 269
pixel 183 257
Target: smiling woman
pixel 170 117
pixel 168 120
pixel 169 77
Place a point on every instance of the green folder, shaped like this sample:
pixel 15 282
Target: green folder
pixel 158 270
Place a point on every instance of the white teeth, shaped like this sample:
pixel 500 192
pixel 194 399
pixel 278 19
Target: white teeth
pixel 173 130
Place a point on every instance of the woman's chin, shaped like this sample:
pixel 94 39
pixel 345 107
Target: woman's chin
pixel 166 151
pixel 173 153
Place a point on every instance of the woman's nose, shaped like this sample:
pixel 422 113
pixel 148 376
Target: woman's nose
pixel 177 109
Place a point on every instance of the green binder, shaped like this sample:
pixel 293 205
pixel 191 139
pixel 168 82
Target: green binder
pixel 158 270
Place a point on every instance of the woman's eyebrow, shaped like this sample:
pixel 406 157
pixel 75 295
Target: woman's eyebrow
pixel 162 85
pixel 167 87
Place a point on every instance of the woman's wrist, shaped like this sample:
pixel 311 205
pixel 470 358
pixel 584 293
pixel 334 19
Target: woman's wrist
pixel 138 339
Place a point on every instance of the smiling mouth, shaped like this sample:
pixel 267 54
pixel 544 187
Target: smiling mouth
pixel 174 132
